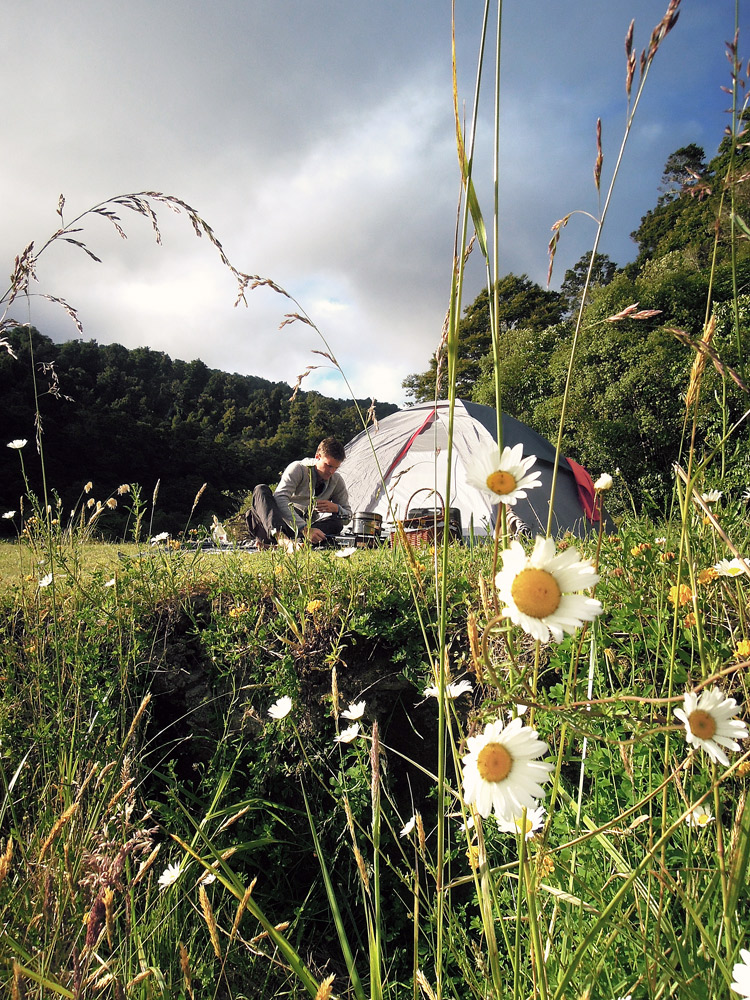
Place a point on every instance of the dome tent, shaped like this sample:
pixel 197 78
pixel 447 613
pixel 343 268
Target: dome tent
pixel 407 452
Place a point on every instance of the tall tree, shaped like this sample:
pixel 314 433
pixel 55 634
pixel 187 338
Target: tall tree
pixel 522 303
pixel 684 169
pixel 602 273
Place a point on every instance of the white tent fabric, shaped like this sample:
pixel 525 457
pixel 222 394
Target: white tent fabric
pixel 408 452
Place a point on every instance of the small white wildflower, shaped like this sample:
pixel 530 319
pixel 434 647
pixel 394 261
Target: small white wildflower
pixel 604 482
pixel 729 567
pixel 347 735
pixel 161 537
pixel 355 711
pixel 169 876
pixel 110 583
pixel 46 580
pixel 17 444
pixel 452 691
pixel 712 496
pixel 701 816
pixel 408 827
pixel 281 708
pixel 534 822
pixel 9 514
pixel 741 974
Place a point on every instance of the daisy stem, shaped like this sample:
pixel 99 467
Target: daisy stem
pixel 726 916
pixel 487 900
pixel 537 951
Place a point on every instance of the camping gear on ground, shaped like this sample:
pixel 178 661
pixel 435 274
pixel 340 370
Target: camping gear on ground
pixel 411 446
pixel 422 525
pixel 454 517
pixel 366 523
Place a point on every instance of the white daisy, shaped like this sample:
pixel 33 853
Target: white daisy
pixel 701 816
pixel 169 876
pixel 17 444
pixel 408 827
pixel 355 711
pixel 729 567
pixel 46 580
pixel 604 482
pixel 161 537
pixel 501 771
pixel 9 514
pixel 709 723
pixel 281 708
pixel 503 477
pixel 452 690
pixel 712 496
pixel 534 822
pixel 741 974
pixel 347 735
pixel 538 589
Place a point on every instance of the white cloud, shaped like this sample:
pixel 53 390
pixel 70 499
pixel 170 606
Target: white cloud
pixel 319 143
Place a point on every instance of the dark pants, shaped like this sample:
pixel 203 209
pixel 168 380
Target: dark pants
pixel 265 523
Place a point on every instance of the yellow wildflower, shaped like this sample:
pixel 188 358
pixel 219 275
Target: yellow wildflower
pixel 680 595
pixel 742 648
pixel 707 575
pixel 689 620
pixel 313 606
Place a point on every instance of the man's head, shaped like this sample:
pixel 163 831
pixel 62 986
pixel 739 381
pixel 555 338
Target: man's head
pixel 328 457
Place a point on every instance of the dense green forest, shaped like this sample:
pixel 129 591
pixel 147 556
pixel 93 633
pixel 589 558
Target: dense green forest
pixel 111 416
pixel 627 404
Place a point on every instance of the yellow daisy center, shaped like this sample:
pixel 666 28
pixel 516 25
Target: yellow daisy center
pixel 494 763
pixel 702 724
pixel 501 482
pixel 702 819
pixel 528 825
pixel 536 593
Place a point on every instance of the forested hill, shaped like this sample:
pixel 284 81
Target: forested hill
pixel 626 404
pixel 137 416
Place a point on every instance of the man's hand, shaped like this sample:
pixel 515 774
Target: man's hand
pixel 326 507
pixel 315 535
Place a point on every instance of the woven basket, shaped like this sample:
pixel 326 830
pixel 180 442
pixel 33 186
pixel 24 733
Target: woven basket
pixel 424 530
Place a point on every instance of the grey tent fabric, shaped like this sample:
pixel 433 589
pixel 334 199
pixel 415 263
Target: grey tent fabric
pixel 407 454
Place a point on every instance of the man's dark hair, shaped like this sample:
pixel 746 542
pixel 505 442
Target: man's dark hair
pixel 332 448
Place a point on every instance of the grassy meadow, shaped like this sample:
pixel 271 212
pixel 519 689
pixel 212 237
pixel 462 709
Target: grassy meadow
pixel 509 769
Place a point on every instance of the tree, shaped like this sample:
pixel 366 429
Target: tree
pixel 683 169
pixel 522 303
pixel 602 273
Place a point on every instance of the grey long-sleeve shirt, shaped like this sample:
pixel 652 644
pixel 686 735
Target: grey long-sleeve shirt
pixel 295 490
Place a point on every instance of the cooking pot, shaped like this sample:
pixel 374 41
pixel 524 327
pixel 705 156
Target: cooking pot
pixel 366 523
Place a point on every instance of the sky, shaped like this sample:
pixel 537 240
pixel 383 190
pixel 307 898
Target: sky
pixel 317 140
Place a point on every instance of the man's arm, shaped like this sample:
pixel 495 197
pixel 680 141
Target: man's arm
pixel 340 497
pixel 294 488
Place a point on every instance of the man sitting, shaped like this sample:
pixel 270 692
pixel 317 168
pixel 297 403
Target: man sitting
pixel 310 502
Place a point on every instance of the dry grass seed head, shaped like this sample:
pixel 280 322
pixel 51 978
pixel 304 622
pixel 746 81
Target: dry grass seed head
pixel 57 827
pixel 325 989
pixel 208 916
pixel 5 860
pixel 424 985
pixel 241 909
pixel 185 969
